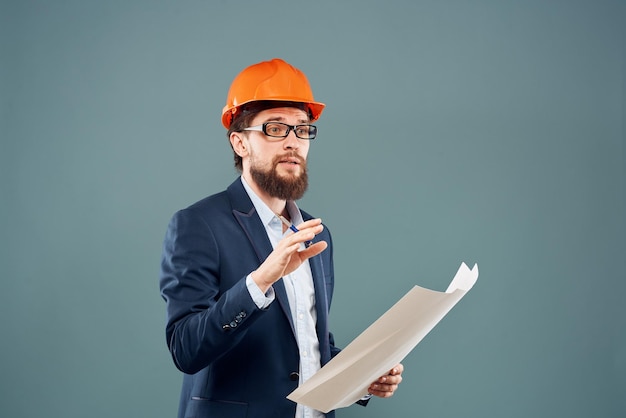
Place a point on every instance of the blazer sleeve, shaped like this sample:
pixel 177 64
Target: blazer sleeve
pixel 203 320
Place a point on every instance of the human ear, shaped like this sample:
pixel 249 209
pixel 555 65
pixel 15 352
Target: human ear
pixel 238 142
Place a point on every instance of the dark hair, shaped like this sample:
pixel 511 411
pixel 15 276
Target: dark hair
pixel 244 117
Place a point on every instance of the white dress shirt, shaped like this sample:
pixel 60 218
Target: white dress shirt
pixel 300 294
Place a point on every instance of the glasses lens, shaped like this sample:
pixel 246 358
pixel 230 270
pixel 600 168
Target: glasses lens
pixel 276 129
pixel 281 130
pixel 306 131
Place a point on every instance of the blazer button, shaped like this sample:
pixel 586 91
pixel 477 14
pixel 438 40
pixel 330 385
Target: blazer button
pixel 294 376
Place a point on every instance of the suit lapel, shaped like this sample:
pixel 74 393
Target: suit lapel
pixel 321 306
pixel 246 216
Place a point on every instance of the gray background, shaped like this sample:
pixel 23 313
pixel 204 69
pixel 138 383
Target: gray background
pixel 485 131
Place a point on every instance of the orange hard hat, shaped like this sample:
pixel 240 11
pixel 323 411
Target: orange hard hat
pixel 270 80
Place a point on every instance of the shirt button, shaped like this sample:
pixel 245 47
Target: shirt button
pixel 304 354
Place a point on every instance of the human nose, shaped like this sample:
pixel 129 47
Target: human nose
pixel 291 141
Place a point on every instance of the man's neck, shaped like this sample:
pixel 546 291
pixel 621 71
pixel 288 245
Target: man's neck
pixel 277 205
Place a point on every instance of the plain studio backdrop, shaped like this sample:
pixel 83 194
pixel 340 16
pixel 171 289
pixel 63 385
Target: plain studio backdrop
pixel 477 131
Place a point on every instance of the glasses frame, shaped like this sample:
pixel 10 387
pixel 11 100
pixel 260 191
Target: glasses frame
pixel 263 128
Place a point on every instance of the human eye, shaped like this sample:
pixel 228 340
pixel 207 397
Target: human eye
pixel 303 131
pixel 275 129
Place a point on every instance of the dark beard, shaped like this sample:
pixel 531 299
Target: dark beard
pixel 279 187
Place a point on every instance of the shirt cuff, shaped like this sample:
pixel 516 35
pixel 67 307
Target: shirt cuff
pixel 262 300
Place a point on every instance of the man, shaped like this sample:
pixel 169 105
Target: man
pixel 247 297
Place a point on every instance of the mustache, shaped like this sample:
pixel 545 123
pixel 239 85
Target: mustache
pixel 289 156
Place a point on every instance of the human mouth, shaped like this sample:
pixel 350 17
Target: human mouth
pixel 289 161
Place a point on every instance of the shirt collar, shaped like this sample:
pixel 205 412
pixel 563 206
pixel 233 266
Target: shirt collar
pixel 265 213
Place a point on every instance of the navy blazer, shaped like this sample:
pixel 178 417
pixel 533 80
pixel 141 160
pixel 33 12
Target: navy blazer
pixel 238 360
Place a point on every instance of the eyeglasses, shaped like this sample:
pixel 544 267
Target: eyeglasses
pixel 281 130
